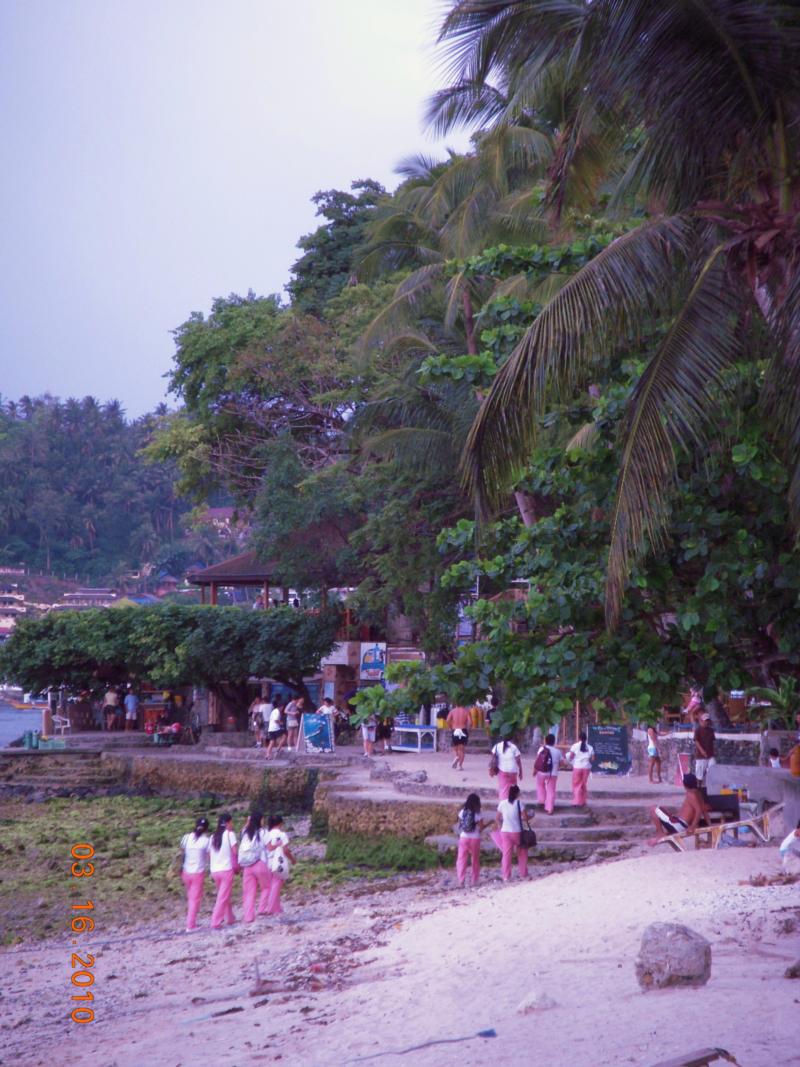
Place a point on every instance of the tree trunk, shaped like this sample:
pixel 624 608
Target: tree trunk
pixel 469 324
pixel 719 716
pixel 532 507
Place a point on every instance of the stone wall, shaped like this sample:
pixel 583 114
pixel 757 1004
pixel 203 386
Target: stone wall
pixel 738 749
pixel 286 787
pixel 359 814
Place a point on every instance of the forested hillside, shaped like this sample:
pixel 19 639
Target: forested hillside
pixel 77 499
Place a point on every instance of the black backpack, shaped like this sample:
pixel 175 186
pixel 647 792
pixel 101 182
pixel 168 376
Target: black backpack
pixel 544 761
pixel 466 821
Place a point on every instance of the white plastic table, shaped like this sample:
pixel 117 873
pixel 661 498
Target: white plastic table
pixel 411 738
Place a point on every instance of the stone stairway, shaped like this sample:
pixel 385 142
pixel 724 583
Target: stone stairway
pixel 37 776
pixel 392 801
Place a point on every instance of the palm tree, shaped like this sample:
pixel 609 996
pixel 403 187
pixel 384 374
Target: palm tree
pixel 708 90
pixel 446 211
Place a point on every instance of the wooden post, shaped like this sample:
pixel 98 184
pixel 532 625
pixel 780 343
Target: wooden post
pixel 266 594
pixel 213 592
pixel 202 594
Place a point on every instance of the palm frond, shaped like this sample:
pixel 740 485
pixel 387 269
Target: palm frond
pixel 584 439
pixel 670 407
pixel 624 285
pixel 407 293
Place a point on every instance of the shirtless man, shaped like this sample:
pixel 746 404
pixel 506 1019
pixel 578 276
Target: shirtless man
pixel 693 811
pixel 459 721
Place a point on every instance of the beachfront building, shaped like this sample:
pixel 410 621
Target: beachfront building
pixel 362 652
pixel 82 599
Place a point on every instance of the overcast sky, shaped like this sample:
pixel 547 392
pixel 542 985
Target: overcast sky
pixel 160 153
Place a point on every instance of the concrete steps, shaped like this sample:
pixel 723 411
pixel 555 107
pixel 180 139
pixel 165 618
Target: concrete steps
pixel 38 775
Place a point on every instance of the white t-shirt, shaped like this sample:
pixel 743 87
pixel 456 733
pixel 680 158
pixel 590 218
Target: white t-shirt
pixel 276 836
pixel 265 710
pixel 775 761
pixel 222 859
pixel 477 831
pixel 556 757
pixel 275 723
pixel 790 843
pixel 195 853
pixel 507 760
pixel 510 812
pixel 581 761
pixel 245 842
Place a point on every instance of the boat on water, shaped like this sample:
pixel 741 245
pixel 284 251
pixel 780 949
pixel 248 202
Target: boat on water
pixel 16 697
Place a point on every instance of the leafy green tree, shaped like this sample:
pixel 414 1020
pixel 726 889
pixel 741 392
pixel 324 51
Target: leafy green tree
pixel 716 131
pixel 328 261
pixel 169 645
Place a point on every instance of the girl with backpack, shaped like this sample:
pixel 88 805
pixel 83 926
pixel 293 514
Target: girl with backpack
pixel 223 865
pixel 193 871
pixel 580 756
pixel 506 762
pixel 469 839
pixel 545 769
pixel 255 875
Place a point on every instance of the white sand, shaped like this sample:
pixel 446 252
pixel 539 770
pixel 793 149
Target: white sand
pixel 451 963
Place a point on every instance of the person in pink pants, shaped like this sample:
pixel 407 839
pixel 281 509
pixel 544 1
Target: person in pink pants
pixel 509 817
pixel 277 846
pixel 255 876
pixel 580 756
pixel 223 864
pixel 195 858
pixel 469 839
pixel 509 766
pixel 547 779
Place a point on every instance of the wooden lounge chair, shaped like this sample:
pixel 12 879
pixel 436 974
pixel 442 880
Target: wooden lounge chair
pixel 701 1058
pixel 759 824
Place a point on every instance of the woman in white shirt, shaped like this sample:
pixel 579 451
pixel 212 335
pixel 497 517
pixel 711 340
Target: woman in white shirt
pixel 509 818
pixel 195 860
pixel 255 876
pixel 276 731
pixel 580 756
pixel 276 842
pixel 509 766
pixel 223 864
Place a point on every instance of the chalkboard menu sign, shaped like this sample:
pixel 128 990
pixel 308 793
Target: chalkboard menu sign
pixel 317 733
pixel 610 744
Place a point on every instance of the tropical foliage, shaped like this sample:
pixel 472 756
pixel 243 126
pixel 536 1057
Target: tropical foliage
pixel 169 645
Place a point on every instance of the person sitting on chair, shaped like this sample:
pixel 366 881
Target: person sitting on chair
pixel 693 811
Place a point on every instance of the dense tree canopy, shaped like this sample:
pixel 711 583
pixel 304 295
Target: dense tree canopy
pixel 75 494
pixel 169 645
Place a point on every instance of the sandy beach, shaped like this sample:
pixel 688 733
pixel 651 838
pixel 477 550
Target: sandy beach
pixel 413 975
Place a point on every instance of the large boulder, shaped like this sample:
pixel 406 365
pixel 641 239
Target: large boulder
pixel 672 955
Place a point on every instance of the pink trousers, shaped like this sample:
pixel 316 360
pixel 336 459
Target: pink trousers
pixel 505 779
pixel 468 848
pixel 194 894
pixel 580 779
pixel 508 842
pixel 254 878
pixel 546 790
pixel 222 905
pixel 274 898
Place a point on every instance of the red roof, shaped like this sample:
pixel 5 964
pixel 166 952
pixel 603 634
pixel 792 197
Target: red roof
pixel 239 570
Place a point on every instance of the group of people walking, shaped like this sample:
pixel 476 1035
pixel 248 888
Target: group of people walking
pixel 506 764
pixel 261 855
pixel 511 830
pixel 276 723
